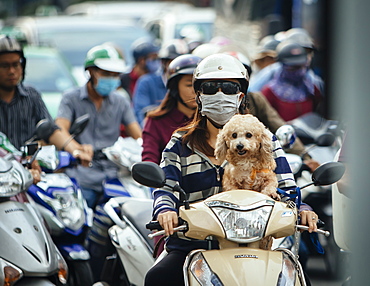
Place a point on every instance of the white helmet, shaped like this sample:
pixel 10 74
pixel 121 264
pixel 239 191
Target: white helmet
pixel 221 66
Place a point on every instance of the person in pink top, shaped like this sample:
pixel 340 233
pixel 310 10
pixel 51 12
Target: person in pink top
pixel 292 92
pixel 176 109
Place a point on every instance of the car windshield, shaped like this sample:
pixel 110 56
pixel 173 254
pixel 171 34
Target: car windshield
pixel 197 31
pixel 74 44
pixel 48 73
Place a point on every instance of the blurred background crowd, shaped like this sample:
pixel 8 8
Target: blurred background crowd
pixel 58 33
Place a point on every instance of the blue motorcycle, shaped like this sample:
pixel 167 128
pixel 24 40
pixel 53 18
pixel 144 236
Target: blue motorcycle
pixel 63 208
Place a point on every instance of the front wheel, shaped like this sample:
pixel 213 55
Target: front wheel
pixel 80 273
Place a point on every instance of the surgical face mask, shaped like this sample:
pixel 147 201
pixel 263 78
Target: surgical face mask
pixel 153 65
pixel 219 107
pixel 106 85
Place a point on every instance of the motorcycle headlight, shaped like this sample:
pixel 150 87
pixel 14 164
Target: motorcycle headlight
pixel 288 272
pixel 243 224
pixel 10 183
pixel 202 272
pixel 68 207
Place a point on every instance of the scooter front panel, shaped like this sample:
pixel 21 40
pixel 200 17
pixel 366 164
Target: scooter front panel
pixel 243 266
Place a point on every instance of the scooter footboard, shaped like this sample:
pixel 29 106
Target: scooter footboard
pixel 242 266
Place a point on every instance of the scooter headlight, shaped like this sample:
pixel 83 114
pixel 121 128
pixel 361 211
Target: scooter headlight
pixel 10 183
pixel 68 207
pixel 202 272
pixel 243 224
pixel 10 273
pixel 288 272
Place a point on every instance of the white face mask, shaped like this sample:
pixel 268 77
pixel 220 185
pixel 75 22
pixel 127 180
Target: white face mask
pixel 219 107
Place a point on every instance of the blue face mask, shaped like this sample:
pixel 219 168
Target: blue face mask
pixel 106 85
pixel 153 65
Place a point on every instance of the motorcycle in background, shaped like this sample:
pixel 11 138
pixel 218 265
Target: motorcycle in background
pixel 60 201
pixel 239 220
pixel 28 255
pixel 322 139
pixel 103 244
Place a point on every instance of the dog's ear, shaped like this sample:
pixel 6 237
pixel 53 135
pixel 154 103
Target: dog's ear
pixel 221 147
pixel 266 147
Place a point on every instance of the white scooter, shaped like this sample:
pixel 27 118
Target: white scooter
pixel 28 255
pixel 124 209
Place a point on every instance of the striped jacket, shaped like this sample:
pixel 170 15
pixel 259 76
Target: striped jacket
pixel 200 178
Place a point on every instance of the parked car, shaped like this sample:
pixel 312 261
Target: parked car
pixel 135 10
pixel 189 23
pixel 73 36
pixel 49 73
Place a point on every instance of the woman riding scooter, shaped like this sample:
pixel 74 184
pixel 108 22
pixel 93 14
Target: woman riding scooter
pixel 220 80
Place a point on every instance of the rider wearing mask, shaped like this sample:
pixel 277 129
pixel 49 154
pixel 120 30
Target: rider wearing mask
pixel 151 88
pixel 145 54
pixel 107 109
pixel 220 82
pixel 176 109
pixel 292 92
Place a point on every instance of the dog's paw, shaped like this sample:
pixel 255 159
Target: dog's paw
pixel 272 193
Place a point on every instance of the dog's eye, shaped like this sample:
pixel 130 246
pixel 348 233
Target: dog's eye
pixel 248 135
pixel 234 135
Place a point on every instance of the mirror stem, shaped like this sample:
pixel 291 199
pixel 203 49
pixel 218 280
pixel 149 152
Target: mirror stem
pixel 67 142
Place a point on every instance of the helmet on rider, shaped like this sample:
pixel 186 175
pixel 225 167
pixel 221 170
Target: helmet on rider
pixel 173 49
pixel 220 66
pixel 142 48
pixel 206 49
pixel 301 37
pixel 291 54
pixel 242 58
pixel 10 45
pixel 184 64
pixel 105 57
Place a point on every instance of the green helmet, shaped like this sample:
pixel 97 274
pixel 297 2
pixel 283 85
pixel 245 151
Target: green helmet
pixel 106 58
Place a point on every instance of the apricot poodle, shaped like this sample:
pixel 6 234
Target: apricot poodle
pixel 247 146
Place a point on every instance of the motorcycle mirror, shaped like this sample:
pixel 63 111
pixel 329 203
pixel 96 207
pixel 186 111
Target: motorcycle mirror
pixel 44 129
pixel 148 174
pixel 326 139
pixel 286 136
pixel 328 173
pixel 79 124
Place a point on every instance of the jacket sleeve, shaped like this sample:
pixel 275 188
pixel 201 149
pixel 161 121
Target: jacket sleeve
pixel 165 199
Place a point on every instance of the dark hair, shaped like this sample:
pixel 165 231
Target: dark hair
pixel 169 102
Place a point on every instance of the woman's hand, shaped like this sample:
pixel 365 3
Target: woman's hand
pixel 168 220
pixel 309 218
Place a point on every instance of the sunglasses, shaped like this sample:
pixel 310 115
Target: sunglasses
pixel 227 87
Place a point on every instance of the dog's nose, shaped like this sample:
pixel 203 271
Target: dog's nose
pixel 239 146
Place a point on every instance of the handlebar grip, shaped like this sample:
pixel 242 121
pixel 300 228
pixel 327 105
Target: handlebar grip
pixel 153 225
pixel 320 223
pixel 99 155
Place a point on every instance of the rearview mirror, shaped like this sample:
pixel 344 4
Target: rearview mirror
pixel 148 174
pixel 44 129
pixel 328 173
pixel 326 139
pixel 79 124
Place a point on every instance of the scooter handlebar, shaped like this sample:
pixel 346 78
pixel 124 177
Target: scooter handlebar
pixel 162 232
pixel 304 227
